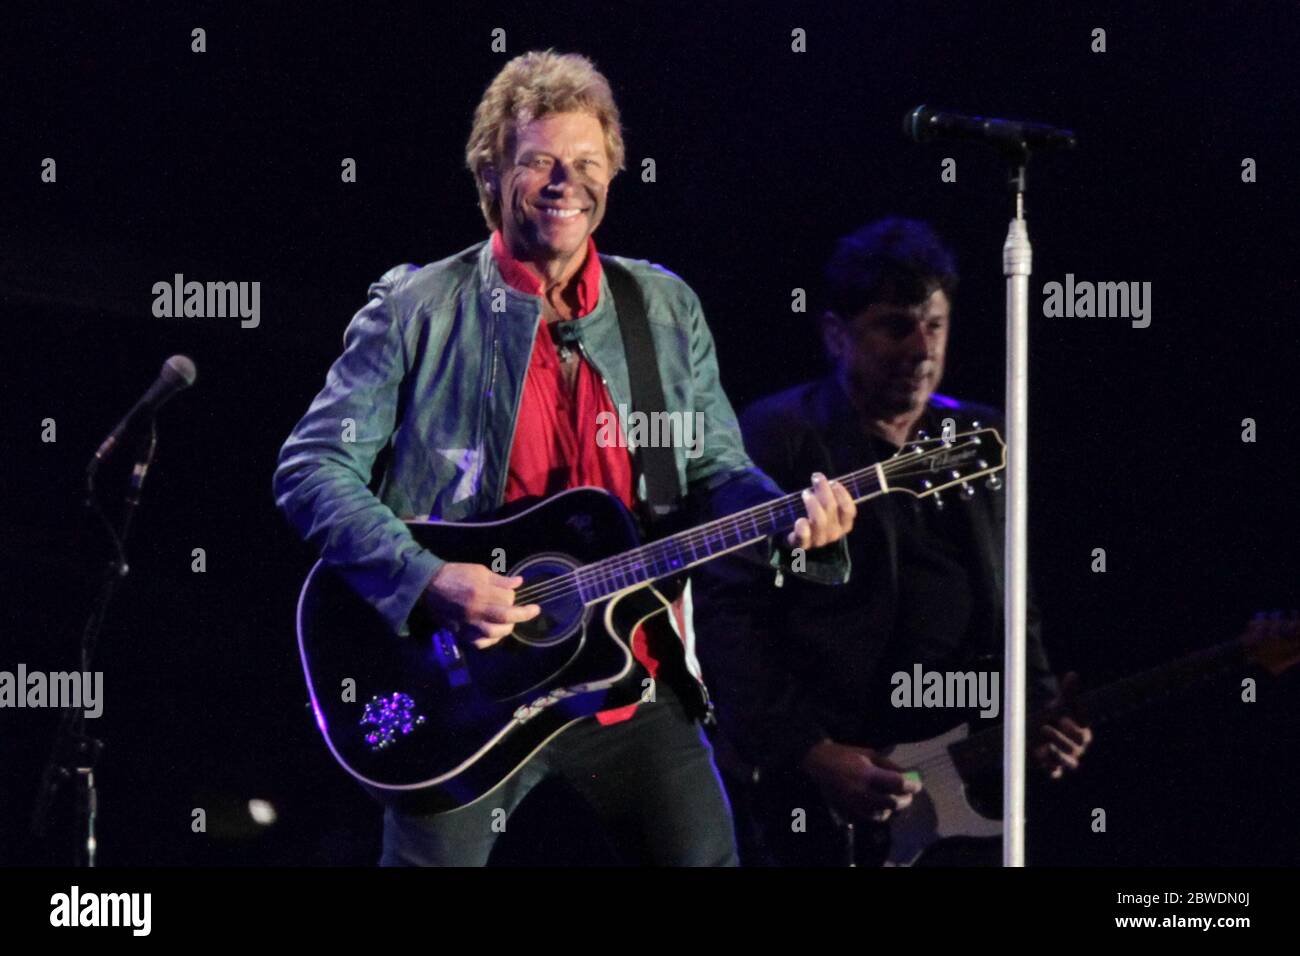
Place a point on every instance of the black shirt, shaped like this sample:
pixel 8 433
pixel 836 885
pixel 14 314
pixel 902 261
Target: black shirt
pixel 789 667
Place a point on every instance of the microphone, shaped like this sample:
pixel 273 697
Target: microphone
pixel 565 339
pixel 178 373
pixel 924 125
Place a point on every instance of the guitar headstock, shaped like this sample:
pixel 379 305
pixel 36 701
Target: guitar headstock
pixel 931 465
pixel 1272 641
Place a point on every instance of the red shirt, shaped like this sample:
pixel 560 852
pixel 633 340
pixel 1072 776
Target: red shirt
pixel 555 443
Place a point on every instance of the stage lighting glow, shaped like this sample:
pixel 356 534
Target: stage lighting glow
pixel 262 812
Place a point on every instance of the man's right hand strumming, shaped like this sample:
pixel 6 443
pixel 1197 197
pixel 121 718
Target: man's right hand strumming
pixel 477 602
pixel 858 783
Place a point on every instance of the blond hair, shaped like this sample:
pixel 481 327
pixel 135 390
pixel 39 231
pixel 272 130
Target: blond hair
pixel 529 87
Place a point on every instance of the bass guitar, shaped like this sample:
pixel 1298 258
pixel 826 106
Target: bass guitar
pixel 961 771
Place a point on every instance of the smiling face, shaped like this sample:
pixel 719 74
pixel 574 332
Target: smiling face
pixel 891 356
pixel 554 188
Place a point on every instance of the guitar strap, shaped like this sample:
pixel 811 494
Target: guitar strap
pixel 655 462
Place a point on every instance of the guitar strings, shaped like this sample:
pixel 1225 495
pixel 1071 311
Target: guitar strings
pixel 650 556
pixel 606 571
pixel 609 569
pixel 935 756
pixel 639 557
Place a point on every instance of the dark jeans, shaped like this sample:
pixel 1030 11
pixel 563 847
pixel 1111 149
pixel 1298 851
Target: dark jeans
pixel 651 780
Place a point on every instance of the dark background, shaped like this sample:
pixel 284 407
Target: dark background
pixel 225 166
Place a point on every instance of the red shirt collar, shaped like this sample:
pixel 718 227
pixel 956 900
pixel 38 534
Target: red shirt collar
pixel 522 279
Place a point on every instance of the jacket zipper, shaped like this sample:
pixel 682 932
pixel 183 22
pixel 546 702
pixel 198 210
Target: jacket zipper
pixel 582 349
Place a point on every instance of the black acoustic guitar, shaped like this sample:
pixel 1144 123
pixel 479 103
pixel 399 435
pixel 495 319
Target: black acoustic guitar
pixel 432 721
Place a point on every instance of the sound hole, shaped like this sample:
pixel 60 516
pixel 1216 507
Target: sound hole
pixel 545 583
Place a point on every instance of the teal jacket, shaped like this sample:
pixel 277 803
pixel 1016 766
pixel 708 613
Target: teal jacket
pixel 434 366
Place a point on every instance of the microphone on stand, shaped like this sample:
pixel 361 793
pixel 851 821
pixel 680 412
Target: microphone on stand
pixel 75 752
pixel 1015 139
pixel 924 125
pixel 178 373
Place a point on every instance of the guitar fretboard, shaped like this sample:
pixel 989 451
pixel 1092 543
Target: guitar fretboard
pixel 671 555
pixel 922 471
pixel 1105 704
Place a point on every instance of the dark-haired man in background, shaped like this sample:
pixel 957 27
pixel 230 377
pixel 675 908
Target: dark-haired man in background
pixel 802 675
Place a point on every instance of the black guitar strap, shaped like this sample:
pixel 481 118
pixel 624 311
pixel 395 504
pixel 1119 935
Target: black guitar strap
pixel 655 463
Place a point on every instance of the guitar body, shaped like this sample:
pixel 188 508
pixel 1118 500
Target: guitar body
pixel 431 721
pixel 944 808
pixel 955 820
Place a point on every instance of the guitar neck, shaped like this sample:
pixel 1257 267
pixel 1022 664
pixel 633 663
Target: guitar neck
pixel 1113 701
pixel 926 467
pixel 687 549
pixel 1132 693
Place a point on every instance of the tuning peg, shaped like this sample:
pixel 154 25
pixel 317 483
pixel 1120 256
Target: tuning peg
pixel 966 490
pixel 938 501
pixel 975 425
pixel 922 434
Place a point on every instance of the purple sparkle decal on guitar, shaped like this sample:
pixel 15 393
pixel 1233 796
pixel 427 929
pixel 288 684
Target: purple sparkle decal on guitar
pixel 389 716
